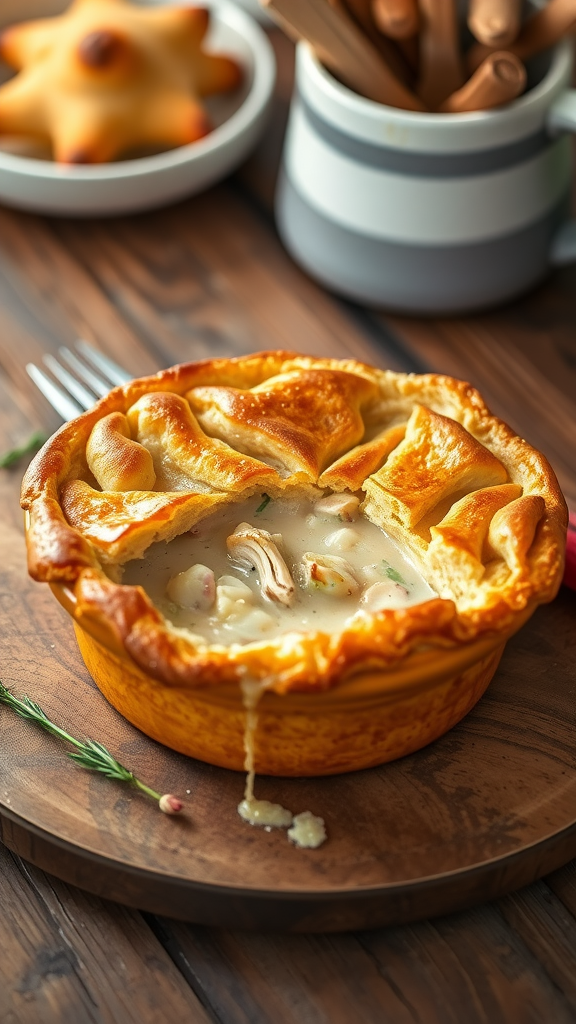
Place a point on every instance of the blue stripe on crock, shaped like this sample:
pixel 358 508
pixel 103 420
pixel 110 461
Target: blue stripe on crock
pixel 422 164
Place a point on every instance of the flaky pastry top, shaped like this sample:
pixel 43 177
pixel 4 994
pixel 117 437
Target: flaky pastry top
pixel 475 507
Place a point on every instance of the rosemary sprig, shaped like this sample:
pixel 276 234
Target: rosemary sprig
pixel 267 500
pixel 88 754
pixel 31 445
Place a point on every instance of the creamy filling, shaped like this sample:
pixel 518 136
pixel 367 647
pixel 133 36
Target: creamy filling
pixel 266 567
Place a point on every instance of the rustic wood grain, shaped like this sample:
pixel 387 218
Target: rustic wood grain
pixel 75 959
pixel 156 290
pixel 563 885
pixel 200 294
pixel 475 968
pixel 484 964
pixel 548 929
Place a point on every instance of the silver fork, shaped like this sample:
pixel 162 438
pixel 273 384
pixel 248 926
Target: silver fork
pixel 85 379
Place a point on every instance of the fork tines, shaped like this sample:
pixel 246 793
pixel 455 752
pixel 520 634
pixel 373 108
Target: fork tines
pixel 83 385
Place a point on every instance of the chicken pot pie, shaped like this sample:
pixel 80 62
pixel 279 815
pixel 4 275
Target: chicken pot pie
pixel 293 521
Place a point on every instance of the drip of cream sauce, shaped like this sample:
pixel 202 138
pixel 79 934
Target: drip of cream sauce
pixel 304 830
pixel 257 812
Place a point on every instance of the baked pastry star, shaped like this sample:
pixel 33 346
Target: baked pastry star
pixel 107 77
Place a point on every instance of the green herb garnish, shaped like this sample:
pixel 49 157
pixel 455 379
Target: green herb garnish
pixel 88 754
pixel 267 500
pixel 393 574
pixel 32 445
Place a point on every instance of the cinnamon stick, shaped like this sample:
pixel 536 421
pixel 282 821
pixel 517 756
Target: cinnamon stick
pixel 441 64
pixel 361 11
pixel 344 49
pixel 540 31
pixel 410 50
pixel 499 79
pixel 396 18
pixel 494 22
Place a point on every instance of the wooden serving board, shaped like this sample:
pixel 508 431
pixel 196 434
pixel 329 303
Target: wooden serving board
pixel 489 807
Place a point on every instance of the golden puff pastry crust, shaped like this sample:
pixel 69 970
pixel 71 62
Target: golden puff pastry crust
pixel 475 507
pixel 107 77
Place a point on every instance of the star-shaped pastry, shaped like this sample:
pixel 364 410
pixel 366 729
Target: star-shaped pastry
pixel 107 77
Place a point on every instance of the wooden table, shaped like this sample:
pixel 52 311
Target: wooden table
pixel 209 277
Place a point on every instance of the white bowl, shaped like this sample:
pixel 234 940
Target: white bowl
pixel 40 185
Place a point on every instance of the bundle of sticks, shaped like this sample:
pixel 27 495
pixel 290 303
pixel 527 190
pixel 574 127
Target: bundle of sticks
pixel 409 53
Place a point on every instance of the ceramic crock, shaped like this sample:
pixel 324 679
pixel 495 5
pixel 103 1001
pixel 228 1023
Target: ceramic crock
pixel 428 212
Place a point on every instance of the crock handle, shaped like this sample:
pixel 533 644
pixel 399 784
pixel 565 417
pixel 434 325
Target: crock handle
pixel 562 118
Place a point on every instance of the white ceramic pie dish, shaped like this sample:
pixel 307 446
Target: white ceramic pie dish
pixel 128 186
